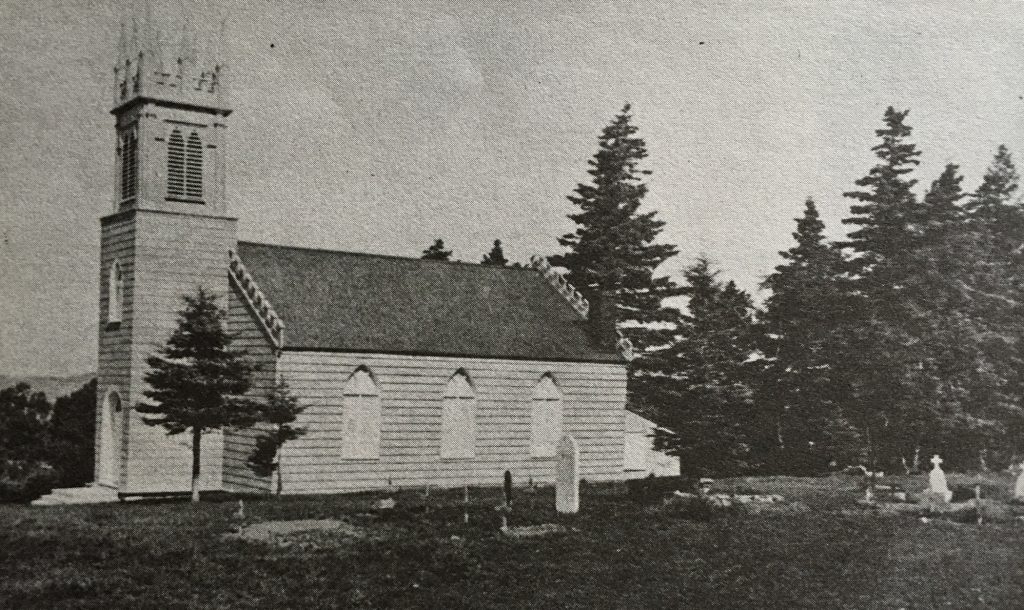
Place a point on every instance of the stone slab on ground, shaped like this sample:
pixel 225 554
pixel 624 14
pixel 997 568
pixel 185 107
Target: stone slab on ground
pixel 90 494
pixel 534 531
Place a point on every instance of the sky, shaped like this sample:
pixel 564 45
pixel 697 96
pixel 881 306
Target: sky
pixel 379 126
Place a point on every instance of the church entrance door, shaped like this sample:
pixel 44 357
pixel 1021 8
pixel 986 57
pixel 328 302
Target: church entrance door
pixel 111 440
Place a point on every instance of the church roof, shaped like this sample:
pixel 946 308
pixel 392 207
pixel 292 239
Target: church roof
pixel 344 301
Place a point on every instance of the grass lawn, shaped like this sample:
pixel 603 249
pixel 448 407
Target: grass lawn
pixel 618 553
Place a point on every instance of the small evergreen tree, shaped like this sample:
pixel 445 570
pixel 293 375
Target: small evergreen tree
pixel 437 252
pixel 496 256
pixel 703 379
pixel 197 382
pixel 280 412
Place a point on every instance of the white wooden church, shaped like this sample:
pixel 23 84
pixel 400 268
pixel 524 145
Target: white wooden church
pixel 411 372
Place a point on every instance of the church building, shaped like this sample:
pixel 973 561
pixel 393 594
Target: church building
pixel 412 372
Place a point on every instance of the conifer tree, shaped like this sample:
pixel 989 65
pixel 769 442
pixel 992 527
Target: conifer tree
pixel 879 346
pixel 800 386
pixel 437 252
pixel 703 378
pixel 612 254
pixel 996 285
pixel 197 382
pixel 496 256
pixel 280 412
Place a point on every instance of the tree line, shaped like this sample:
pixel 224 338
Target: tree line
pixel 901 339
pixel 44 444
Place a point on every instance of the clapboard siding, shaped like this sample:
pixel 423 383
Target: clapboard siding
pixel 117 243
pixel 239 444
pixel 172 255
pixel 411 390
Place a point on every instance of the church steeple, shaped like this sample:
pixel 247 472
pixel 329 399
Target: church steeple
pixel 171 102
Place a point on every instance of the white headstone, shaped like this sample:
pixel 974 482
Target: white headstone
pixel 937 480
pixel 1018 490
pixel 567 476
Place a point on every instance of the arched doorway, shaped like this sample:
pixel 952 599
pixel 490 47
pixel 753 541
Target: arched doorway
pixel 111 439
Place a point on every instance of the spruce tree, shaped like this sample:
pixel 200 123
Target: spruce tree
pixel 703 379
pixel 279 413
pixel 437 252
pixel 612 254
pixel 800 388
pixel 996 285
pixel 879 348
pixel 197 382
pixel 496 257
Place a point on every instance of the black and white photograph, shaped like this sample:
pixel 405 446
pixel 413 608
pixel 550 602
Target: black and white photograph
pixel 511 304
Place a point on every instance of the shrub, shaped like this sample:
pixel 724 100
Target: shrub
pixel 24 480
pixel 691 507
pixel 651 490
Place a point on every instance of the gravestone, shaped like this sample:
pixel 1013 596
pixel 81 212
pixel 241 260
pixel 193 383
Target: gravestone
pixel 1018 490
pixel 937 486
pixel 567 476
pixel 508 487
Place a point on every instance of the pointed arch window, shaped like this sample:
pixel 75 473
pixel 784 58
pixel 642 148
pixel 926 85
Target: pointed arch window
pixel 115 293
pixel 184 166
pixel 458 418
pixel 361 417
pixel 128 153
pixel 546 418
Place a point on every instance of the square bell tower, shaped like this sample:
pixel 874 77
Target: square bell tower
pixel 169 232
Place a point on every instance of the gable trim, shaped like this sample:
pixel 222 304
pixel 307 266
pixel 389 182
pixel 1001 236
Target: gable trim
pixel 257 302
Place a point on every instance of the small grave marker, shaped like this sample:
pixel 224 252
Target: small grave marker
pixel 567 479
pixel 508 488
pixel 937 481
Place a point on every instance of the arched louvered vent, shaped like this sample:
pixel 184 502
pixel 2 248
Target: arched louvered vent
pixel 176 165
pixel 129 164
pixel 194 167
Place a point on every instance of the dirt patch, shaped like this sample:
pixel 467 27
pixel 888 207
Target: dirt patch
pixel 302 532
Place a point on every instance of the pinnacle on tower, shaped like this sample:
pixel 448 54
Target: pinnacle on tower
pixel 158 58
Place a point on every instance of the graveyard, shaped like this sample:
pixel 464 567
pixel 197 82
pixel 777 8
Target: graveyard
pixel 800 542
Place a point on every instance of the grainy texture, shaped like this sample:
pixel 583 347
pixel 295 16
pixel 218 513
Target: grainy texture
pixel 360 302
pixel 411 390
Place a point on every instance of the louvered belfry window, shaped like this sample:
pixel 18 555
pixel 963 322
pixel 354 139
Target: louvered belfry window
pixel 129 164
pixel 185 166
pixel 176 165
pixel 194 167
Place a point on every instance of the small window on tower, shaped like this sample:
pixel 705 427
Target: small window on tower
pixel 115 293
pixel 129 158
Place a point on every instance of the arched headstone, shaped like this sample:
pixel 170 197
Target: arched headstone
pixel 567 477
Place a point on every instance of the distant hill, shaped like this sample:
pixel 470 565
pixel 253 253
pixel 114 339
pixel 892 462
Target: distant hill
pixel 54 386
